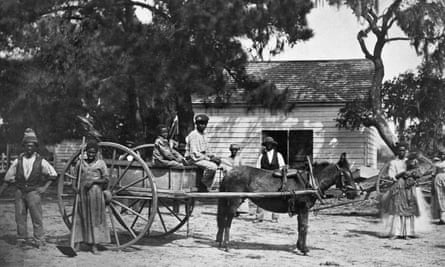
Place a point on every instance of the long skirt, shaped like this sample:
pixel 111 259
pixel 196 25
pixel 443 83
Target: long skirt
pixel 438 198
pixel 91 225
pixel 400 200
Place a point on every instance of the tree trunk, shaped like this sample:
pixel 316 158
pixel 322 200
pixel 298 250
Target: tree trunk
pixel 133 118
pixel 379 121
pixel 185 114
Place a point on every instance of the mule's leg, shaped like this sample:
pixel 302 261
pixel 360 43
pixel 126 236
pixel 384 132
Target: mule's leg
pixel 221 219
pixel 303 225
pixel 232 207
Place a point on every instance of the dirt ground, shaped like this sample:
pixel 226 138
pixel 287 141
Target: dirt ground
pixel 341 236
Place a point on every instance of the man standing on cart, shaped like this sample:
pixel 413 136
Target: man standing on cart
pixel 197 151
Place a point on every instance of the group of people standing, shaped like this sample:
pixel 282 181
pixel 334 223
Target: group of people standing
pixel 32 175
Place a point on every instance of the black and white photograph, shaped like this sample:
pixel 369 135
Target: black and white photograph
pixel 222 133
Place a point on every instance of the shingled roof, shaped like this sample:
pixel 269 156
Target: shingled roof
pixel 317 81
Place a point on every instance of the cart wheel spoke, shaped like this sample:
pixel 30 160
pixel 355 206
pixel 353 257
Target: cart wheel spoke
pixel 170 218
pixel 122 175
pixel 121 221
pixel 137 217
pixel 129 209
pixel 162 221
pixel 113 227
pixel 174 213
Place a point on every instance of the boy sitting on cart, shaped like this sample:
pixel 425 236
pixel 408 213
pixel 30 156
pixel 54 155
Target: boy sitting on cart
pixel 163 154
pixel 197 151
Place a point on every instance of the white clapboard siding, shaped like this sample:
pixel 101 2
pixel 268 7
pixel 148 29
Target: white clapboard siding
pixel 372 147
pixel 234 125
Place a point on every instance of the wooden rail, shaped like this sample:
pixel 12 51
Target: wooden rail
pixel 146 192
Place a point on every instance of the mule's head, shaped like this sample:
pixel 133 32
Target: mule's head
pixel 345 180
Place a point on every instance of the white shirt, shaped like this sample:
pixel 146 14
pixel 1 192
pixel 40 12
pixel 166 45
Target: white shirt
pixel 197 146
pixel 27 168
pixel 396 166
pixel 269 154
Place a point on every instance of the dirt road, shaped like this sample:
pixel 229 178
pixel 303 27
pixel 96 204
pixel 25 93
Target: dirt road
pixel 343 236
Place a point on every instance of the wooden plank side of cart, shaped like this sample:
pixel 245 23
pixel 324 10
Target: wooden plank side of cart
pixel 179 179
pixel 181 182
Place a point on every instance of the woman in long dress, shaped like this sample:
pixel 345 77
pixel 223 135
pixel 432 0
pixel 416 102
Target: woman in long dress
pixel 91 223
pixel 438 200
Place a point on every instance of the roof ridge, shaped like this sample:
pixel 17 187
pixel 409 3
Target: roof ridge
pixel 309 60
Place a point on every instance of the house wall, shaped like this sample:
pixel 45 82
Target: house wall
pixel 235 125
pixel 372 146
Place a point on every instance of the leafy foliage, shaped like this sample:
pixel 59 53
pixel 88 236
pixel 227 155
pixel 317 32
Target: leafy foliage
pixel 96 58
pixel 423 23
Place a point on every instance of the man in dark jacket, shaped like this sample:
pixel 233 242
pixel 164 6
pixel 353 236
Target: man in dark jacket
pixel 31 175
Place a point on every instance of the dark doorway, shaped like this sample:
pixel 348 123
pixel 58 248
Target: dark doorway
pixel 294 145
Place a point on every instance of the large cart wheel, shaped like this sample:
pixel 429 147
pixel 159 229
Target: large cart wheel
pixel 172 213
pixel 134 202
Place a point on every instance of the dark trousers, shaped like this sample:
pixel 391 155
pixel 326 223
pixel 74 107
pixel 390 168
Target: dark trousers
pixel 24 202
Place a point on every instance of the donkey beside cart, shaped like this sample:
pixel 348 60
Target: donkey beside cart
pixel 148 201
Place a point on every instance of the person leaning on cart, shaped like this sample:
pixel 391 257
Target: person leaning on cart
pixel 91 219
pixel 31 174
pixel 197 151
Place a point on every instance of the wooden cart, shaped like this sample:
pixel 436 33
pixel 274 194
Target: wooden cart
pixel 146 201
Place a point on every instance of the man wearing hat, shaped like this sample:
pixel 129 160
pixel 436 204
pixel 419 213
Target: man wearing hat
pixel 234 158
pixel 270 159
pixel 197 150
pixel 31 174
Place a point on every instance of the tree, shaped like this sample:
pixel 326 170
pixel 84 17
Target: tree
pixel 423 23
pixel 100 53
pixel 416 103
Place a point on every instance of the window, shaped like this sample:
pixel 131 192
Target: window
pixel 294 145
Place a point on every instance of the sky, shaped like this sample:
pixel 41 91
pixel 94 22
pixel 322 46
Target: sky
pixel 335 31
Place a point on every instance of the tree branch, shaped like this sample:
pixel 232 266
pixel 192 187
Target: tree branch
pixel 397 39
pixel 372 22
pixel 360 37
pixel 391 22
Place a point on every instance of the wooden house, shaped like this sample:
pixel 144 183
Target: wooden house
pixel 318 89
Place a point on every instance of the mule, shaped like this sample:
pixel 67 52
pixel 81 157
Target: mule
pixel 249 179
